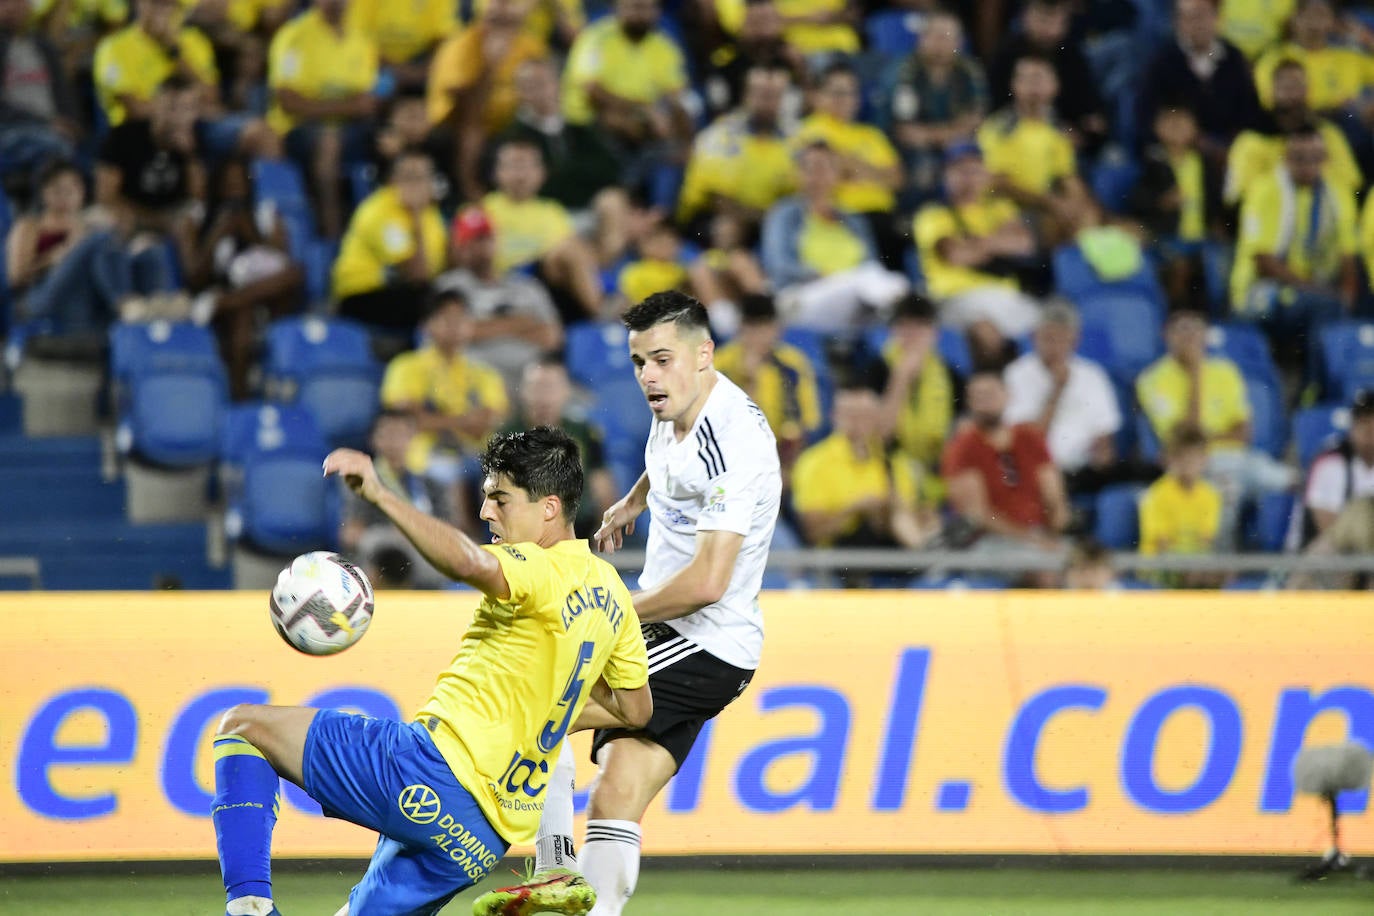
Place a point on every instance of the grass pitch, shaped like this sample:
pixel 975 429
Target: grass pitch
pixel 820 892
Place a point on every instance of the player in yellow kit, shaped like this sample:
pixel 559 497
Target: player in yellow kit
pixel 554 646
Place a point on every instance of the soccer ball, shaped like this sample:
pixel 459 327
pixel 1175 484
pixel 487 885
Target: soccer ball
pixel 321 604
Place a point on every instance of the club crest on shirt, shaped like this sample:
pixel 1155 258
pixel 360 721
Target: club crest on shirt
pixel 513 552
pixel 716 503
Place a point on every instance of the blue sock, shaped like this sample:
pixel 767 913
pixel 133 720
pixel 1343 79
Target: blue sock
pixel 245 811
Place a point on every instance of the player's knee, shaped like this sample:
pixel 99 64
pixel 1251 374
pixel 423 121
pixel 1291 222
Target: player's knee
pixel 239 720
pixel 616 797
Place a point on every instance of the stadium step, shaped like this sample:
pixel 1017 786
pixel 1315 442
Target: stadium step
pixel 33 494
pixel 11 413
pixel 18 451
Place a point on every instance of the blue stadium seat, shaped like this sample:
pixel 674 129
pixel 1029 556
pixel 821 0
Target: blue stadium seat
pixel 1316 428
pixel 318 265
pixel 280 181
pixel 362 180
pixel 1246 346
pixel 620 410
pixel 1131 325
pixel 1347 349
pixel 1112 178
pixel 279 503
pixel 892 33
pixel 813 345
pixel 1075 279
pixel 950 343
pixel 1146 440
pixel 596 351
pixel 1267 418
pixel 1118 516
pixel 171 392
pixel 1267 525
pixel 327 366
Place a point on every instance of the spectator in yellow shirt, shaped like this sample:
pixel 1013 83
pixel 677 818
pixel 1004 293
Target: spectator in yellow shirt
pixel 848 491
pixel 816 27
pixel 1255 154
pixel 658 268
pixel 1186 387
pixel 778 376
pixel 536 234
pixel 456 401
pixel 1180 513
pixel 132 63
pixel 321 73
pixel 742 164
pixel 870 169
pixel 916 384
pixel 969 248
pixel 628 75
pixel 1024 149
pixel 1295 252
pixel 821 258
pixel 1254 25
pixel 471 93
pixel 395 245
pixel 1336 76
pixel 406 33
pixel 550 21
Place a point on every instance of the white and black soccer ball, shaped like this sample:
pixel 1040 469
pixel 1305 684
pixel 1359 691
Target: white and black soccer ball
pixel 322 604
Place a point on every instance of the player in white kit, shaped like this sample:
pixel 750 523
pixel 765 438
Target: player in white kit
pixel 713 486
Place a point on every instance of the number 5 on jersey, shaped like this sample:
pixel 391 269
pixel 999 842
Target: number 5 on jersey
pixel 555 729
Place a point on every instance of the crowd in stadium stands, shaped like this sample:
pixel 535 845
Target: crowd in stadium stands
pixel 1002 276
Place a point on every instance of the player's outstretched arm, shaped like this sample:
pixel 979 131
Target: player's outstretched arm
pixel 447 549
pixel 701 582
pixel 619 520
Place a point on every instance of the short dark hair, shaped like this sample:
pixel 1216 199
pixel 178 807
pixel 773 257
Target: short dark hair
pixel 1288 63
pixel 389 413
pixel 670 305
pixel 53 169
pixel 1179 314
pixel 1186 436
pixel 441 299
pixel 525 142
pixel 840 67
pixel 1035 57
pixel 1307 129
pixel 914 307
pixel 551 359
pixel 177 82
pixel 758 308
pixel 543 461
pixel 409 152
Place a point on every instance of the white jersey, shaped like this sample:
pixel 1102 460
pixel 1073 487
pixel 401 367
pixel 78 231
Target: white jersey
pixel 722 476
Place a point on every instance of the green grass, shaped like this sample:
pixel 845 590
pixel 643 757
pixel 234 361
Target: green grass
pixel 826 892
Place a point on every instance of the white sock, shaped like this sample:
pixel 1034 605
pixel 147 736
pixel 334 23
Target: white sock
pixel 553 845
pixel 610 862
pixel 249 906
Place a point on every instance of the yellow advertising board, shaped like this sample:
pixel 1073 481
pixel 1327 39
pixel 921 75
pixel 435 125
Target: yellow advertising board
pixel 879 722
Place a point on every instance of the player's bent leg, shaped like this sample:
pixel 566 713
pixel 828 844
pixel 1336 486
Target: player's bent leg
pixel 633 771
pixel 252 746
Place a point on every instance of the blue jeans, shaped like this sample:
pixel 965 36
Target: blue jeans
pixel 81 293
pixel 1291 318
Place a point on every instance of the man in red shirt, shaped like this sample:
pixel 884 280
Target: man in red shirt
pixel 1001 478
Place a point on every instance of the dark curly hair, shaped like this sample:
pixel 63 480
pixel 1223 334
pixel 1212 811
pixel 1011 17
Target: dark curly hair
pixel 660 308
pixel 543 461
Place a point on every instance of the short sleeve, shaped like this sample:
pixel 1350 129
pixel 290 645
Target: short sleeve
pixel 627 667
pixel 403 383
pixel 1326 485
pixel 673 75
pixel 1209 512
pixel 731 492
pixel 526 571
pixel 1154 521
pixel 1034 446
pixel 491 390
pixel 1023 400
pixel 1064 162
pixel 957 458
pixel 200 55
pixel 808 482
pixel 933 225
pixel 284 64
pixel 1106 413
pixel 1259 221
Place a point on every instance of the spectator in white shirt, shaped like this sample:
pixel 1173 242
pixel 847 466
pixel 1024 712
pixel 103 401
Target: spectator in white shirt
pixel 1339 475
pixel 1069 398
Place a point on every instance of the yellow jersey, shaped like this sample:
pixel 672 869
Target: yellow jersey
pixel 811 38
pixel 644 71
pixel 783 387
pixel 1367 239
pixel 1032 153
pixel 1254 155
pixel 640 279
pixel 923 425
pixel 864 142
pixel 460 64
pixel 1164 388
pixel 936 222
pixel 1335 75
pixel 525 230
pixel 524 671
pixel 451 386
pixel 831 477
pixel 403 31
pixel 132 63
pixel 309 57
pixel 1283 220
pixel 731 161
pixel 380 235
pixel 1178 519
pixel 1253 25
